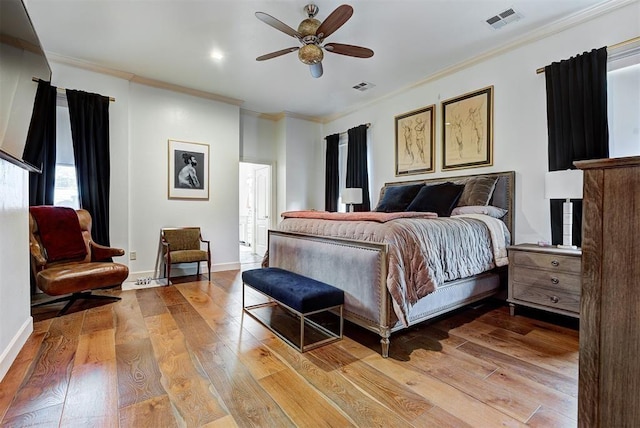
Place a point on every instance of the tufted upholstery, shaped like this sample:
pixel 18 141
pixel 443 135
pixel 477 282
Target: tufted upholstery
pixel 183 245
pixel 73 276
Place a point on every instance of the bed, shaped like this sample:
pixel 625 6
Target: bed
pixel 366 265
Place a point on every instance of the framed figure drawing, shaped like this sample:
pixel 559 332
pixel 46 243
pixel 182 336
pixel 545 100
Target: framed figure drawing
pixel 188 170
pixel 467 130
pixel 415 148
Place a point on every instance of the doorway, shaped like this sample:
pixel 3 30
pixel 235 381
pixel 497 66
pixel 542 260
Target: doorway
pixel 255 210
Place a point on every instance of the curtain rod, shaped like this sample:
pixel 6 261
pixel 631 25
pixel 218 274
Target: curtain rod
pixel 35 79
pixel 617 45
pixel 344 132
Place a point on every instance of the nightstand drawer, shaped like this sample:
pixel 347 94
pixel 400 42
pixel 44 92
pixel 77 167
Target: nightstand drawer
pixel 546 261
pixel 553 298
pixel 549 279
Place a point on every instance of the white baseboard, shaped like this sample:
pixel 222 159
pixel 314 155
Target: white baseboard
pixel 189 269
pixel 225 266
pixel 11 352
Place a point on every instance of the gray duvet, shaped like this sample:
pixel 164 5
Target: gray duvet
pixel 423 253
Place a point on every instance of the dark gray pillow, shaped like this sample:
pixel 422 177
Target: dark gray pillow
pixel 438 198
pixel 398 198
pixel 477 191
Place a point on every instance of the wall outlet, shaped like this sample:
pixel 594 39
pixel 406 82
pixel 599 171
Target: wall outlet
pixel 132 255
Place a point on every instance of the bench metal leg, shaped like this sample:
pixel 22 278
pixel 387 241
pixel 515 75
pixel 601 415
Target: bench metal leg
pixel 330 336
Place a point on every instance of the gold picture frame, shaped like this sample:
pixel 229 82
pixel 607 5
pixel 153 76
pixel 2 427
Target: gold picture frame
pixel 188 176
pixel 467 130
pixel 415 142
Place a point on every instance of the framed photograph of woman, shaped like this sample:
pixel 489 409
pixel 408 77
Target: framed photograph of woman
pixel 415 148
pixel 188 170
pixel 467 130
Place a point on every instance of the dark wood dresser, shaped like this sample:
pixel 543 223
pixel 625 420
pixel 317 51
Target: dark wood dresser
pixel 609 373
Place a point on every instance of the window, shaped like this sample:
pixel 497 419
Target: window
pixel 342 169
pixel 66 187
pixel 623 93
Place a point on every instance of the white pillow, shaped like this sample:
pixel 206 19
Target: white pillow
pixel 489 210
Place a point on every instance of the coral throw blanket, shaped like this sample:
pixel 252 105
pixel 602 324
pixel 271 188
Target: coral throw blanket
pixel 357 216
pixel 60 232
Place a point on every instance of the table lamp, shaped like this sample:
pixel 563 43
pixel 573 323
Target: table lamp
pixel 350 196
pixel 564 185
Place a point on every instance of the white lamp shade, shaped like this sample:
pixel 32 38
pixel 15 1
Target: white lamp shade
pixel 563 184
pixel 352 195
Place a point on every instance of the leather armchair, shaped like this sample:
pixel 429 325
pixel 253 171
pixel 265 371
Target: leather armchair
pixel 183 245
pixel 75 277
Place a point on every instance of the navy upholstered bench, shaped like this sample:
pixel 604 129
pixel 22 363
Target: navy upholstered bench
pixel 301 296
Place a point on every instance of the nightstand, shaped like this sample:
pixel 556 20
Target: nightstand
pixel 547 278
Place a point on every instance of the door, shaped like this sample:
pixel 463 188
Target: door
pixel 263 207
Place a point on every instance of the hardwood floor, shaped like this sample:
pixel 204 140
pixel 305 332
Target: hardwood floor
pixel 185 355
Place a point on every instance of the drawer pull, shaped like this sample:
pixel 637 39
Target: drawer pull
pixel 554 280
pixel 555 263
pixel 554 299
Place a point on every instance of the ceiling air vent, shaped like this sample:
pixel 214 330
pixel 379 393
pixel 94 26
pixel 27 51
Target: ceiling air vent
pixel 363 86
pixel 504 18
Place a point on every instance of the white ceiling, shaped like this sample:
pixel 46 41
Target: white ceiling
pixel 171 41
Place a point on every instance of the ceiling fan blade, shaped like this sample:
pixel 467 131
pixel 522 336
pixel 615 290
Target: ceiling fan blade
pixel 276 53
pixel 278 25
pixel 316 70
pixel 349 50
pixel 334 21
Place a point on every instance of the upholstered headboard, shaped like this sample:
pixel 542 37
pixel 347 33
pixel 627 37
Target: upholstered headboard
pixel 502 197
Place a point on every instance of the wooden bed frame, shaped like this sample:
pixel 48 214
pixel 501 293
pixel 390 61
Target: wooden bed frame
pixel 360 269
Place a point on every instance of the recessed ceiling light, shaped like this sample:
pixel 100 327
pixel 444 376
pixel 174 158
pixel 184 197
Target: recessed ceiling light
pixel 217 55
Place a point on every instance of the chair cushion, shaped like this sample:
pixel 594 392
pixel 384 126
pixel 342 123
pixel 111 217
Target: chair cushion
pixel 182 239
pixel 187 256
pixel 75 277
pixel 296 291
pixel 60 232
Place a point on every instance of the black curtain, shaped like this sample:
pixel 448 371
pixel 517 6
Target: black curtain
pixel 577 123
pixel 40 147
pixel 357 171
pixel 332 179
pixel 89 116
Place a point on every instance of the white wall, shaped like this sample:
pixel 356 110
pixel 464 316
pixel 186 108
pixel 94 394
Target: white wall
pixel 141 121
pixel 156 116
pixel 16 323
pixel 258 138
pixel 304 150
pixel 520 130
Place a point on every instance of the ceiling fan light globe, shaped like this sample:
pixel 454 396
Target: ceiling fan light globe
pixel 308 27
pixel 310 54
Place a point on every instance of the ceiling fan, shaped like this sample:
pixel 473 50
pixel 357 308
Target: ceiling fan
pixel 311 34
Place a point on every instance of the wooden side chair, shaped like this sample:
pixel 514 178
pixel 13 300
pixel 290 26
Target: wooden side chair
pixel 183 245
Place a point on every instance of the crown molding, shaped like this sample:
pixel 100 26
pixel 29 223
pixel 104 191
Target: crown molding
pixel 281 115
pixel 183 89
pixel 86 65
